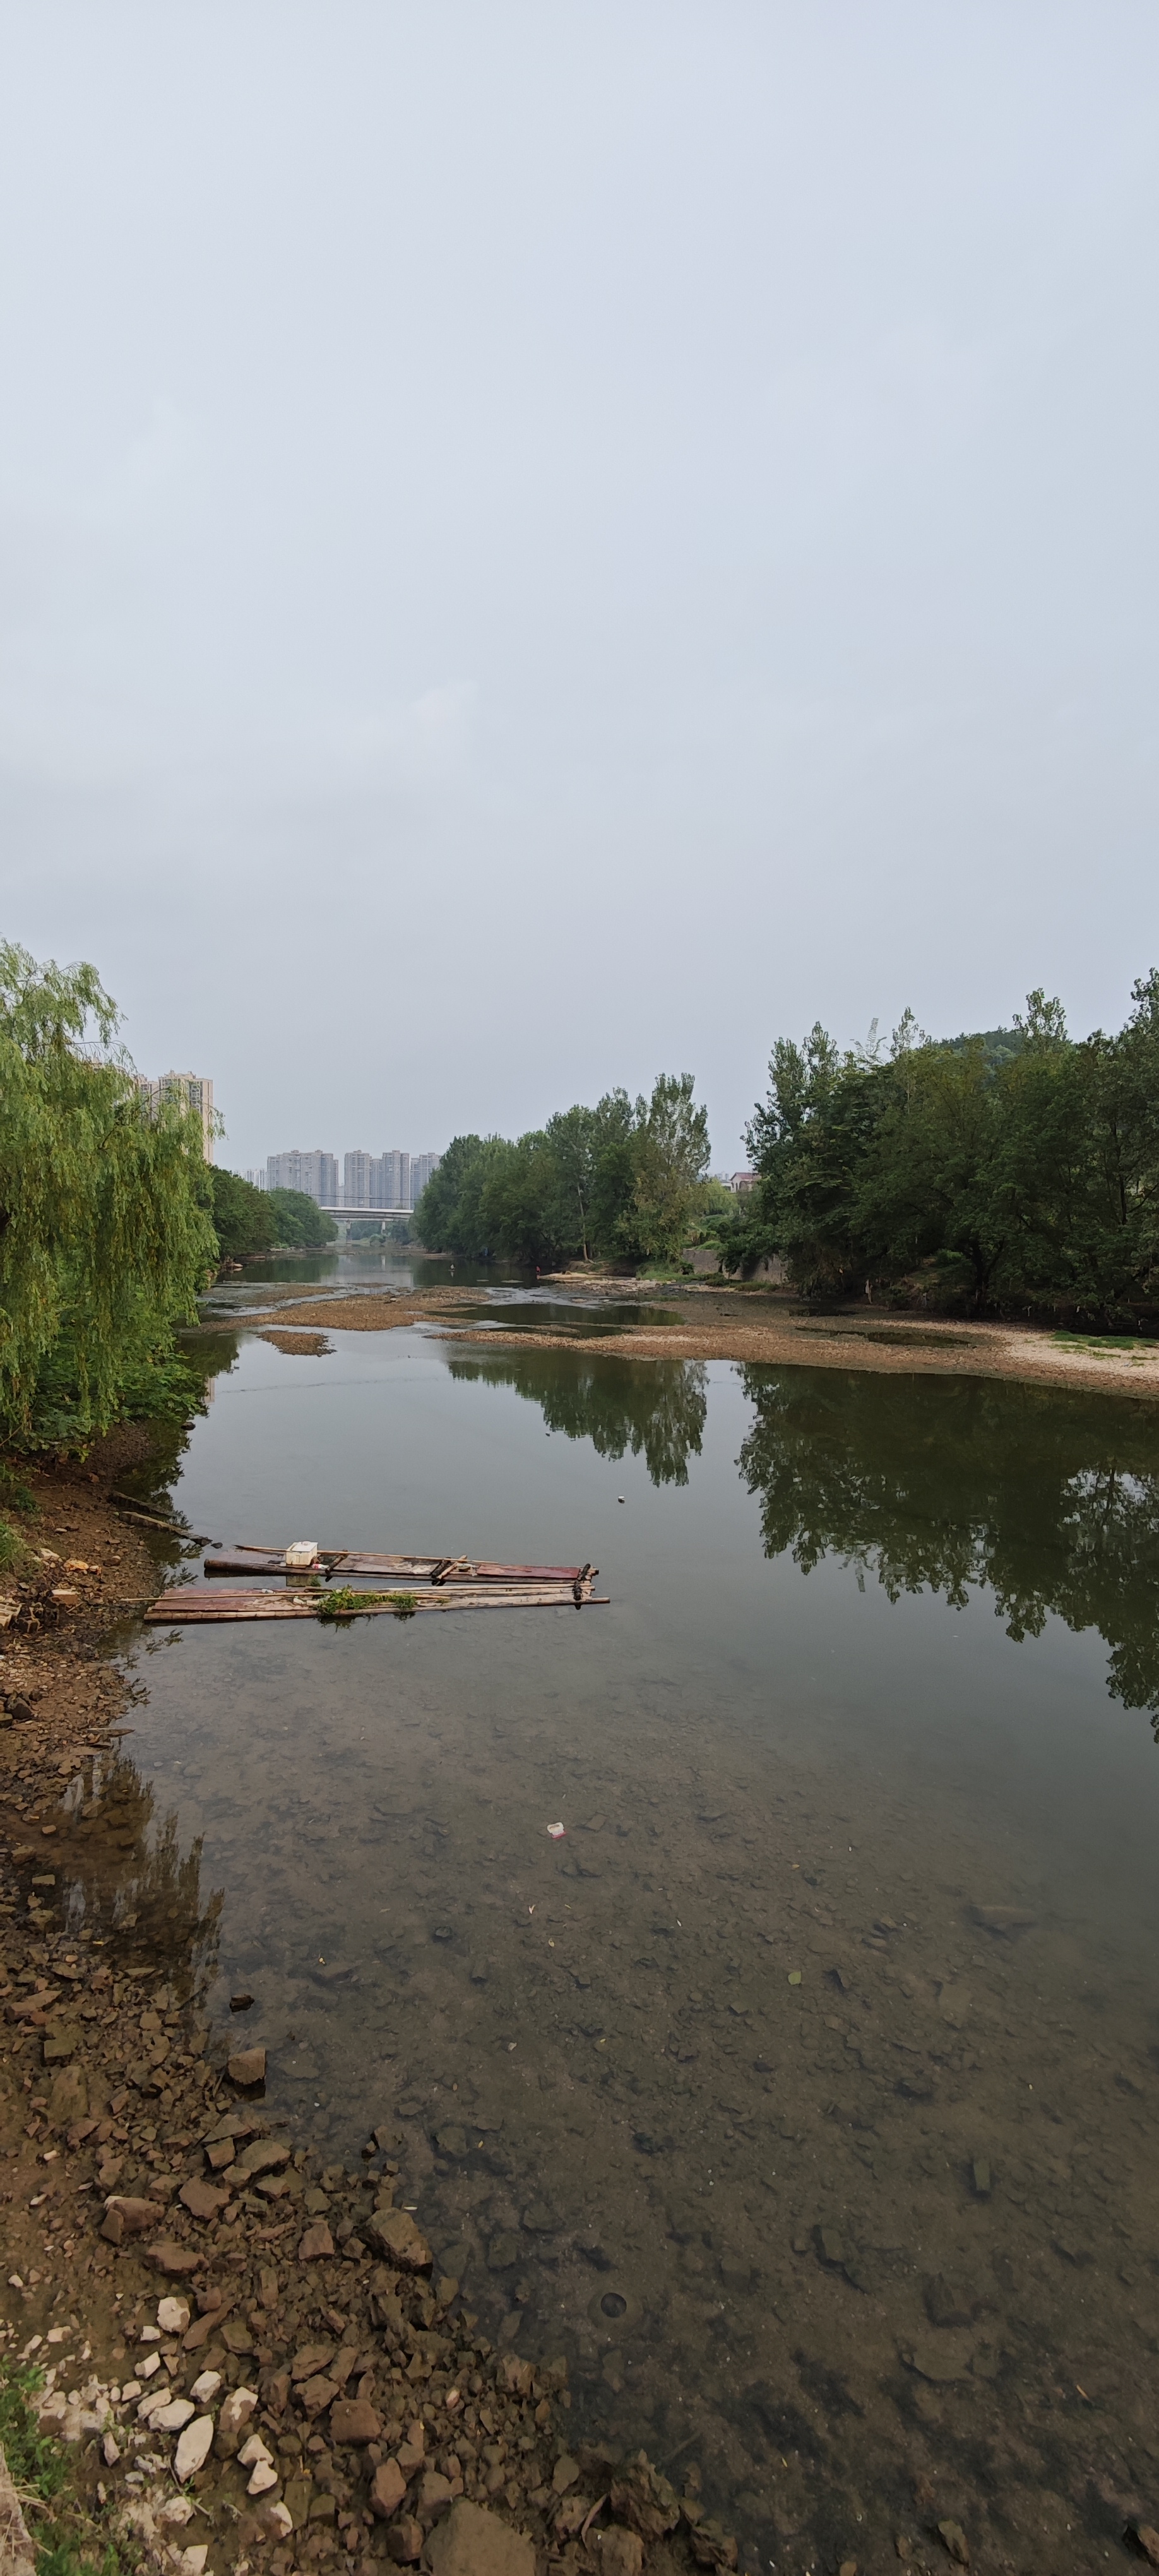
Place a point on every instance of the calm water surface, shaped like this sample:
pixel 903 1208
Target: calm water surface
pixel 821 2169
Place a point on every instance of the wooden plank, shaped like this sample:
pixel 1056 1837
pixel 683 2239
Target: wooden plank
pixel 420 1569
pixel 196 1609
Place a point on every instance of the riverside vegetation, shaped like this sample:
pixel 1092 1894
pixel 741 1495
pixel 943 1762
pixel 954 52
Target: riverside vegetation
pixel 110 1221
pixel 622 1182
pixel 1011 1171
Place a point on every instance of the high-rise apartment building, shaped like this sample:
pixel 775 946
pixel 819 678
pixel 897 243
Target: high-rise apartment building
pixel 370 1181
pixel 190 1091
pixel 316 1174
pixel 376 1180
pixel 394 1179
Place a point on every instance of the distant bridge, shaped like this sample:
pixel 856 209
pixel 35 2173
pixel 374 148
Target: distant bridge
pixel 349 1216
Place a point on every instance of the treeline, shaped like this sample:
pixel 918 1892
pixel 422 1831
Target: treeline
pixel 1015 1170
pixel 248 1221
pixel 623 1181
pixel 110 1221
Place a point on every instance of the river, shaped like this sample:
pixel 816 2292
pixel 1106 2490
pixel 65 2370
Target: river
pixel 804 2092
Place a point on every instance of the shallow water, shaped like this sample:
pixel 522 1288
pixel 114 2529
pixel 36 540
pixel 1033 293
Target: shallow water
pixel 820 2170
pixel 346 1270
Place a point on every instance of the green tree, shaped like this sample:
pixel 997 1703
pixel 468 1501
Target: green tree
pixel 671 1155
pixel 613 1172
pixel 522 1208
pixel 1017 1167
pixel 104 1236
pixel 573 1137
pixel 449 1216
pixel 300 1222
pixel 244 1219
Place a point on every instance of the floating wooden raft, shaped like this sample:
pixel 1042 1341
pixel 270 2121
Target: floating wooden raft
pixel 193 1606
pixel 437 1570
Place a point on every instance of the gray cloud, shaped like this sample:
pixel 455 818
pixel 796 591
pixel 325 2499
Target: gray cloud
pixel 540 544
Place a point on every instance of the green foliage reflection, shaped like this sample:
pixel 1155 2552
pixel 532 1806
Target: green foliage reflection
pixel 1051 1501
pixel 655 1408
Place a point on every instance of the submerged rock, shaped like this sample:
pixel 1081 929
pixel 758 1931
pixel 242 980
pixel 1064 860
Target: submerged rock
pixel 470 2541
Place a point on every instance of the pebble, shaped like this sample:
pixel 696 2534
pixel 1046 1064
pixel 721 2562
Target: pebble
pixel 940 2358
pixel 393 2232
pixel 354 2419
pixel 247 2067
pixel 388 2487
pixel 128 2218
pixel 621 2553
pixel 202 2200
pixel 171 2418
pixel 263 2156
pixel 193 2449
pixel 231 2423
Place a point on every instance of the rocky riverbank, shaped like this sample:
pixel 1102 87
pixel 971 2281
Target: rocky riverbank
pixel 247 2353
pixel 251 2354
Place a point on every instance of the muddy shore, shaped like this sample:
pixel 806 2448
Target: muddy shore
pixel 754 1325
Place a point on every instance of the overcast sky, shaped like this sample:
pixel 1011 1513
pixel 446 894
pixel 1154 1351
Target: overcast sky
pixel 542 540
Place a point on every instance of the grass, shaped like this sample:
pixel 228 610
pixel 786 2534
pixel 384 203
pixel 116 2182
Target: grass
pixel 346 1604
pixel 66 2540
pixel 11 1548
pixel 18 1496
pixel 1102 1342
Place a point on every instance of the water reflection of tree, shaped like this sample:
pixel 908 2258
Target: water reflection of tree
pixel 206 1356
pixel 1050 1500
pixel 123 1866
pixel 656 1407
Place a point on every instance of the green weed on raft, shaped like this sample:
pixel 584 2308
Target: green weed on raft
pixel 346 1604
pixel 65 2537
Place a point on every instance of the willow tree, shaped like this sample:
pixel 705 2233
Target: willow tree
pixel 104 1235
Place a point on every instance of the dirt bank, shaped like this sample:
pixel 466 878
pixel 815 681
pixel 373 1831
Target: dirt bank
pixel 712 1323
